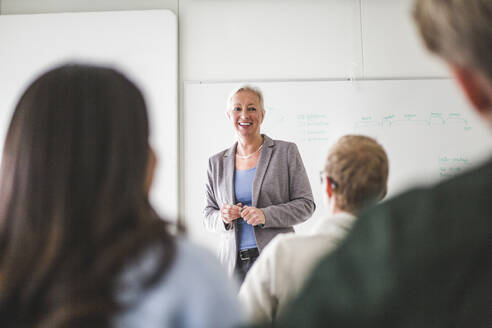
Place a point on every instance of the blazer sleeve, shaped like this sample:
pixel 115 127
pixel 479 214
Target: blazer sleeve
pixel 300 205
pixel 213 221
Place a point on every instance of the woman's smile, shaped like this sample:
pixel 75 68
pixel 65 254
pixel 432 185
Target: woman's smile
pixel 246 112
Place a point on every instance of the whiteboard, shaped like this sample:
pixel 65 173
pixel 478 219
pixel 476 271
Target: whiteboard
pixel 426 127
pixel 142 44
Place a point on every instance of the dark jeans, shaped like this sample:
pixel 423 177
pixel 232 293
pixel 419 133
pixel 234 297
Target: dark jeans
pixel 244 261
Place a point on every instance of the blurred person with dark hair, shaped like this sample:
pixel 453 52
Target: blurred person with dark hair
pixel 355 175
pixel 424 258
pixel 80 244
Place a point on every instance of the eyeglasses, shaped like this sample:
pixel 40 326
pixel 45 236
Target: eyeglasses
pixel 322 177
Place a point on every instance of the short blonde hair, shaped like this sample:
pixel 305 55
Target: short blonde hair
pixel 250 88
pixel 460 31
pixel 358 165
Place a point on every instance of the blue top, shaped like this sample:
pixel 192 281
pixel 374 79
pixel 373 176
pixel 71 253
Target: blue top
pixel 243 186
pixel 182 297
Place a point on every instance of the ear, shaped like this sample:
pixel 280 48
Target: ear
pixel 152 164
pixel 329 189
pixel 475 89
pixel 228 114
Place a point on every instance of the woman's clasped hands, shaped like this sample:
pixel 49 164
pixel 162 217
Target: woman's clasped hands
pixel 230 212
pixel 251 215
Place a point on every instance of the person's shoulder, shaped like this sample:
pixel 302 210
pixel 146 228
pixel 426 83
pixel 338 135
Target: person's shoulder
pixel 200 272
pixel 192 252
pixel 286 244
pixel 191 256
pixel 183 293
pixel 476 180
pixel 453 191
pixel 291 240
pixel 466 195
pixel 454 203
pixel 187 257
pixel 218 156
pixel 280 240
pixel 280 144
pixel 276 256
pixel 283 143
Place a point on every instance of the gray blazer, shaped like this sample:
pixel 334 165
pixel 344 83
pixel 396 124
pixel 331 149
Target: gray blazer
pixel 281 190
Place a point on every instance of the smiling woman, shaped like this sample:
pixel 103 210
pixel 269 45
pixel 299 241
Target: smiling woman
pixel 256 189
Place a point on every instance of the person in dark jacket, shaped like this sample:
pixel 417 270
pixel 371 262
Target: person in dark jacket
pixel 423 259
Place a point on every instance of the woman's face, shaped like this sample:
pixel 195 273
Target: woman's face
pixel 246 113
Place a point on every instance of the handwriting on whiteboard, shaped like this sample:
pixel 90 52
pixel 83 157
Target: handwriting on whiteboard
pixel 313 127
pixel 450 166
pixel 434 119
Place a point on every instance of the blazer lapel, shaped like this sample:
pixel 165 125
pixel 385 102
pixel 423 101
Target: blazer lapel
pixel 229 165
pixel 261 167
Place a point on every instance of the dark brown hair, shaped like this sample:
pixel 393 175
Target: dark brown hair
pixel 73 206
pixel 359 167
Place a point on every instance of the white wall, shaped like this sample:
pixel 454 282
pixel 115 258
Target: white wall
pixel 257 40
pixel 238 40
pixel 145 50
pixel 279 39
pixel 392 47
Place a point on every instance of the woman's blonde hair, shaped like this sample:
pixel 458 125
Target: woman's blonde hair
pixel 250 88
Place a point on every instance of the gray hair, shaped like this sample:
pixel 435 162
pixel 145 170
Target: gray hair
pixel 250 88
pixel 460 31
